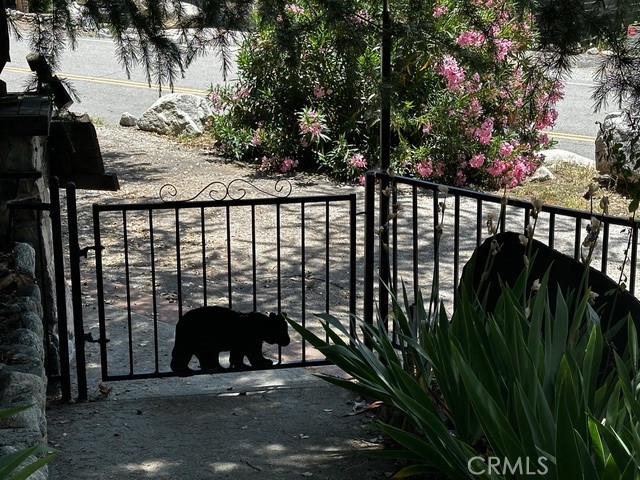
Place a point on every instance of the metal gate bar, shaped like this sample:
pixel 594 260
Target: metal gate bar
pixel 202 215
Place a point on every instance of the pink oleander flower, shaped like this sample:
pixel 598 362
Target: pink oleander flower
pixel 485 132
pixel 497 168
pixel 287 164
pixel 218 102
pixel 266 163
pixel 424 168
pixel 318 91
pixel 454 73
pixel 311 123
pixel 358 161
pixel 362 179
pixel 256 139
pixel 503 47
pixel 505 149
pixel 471 38
pixel 548 119
pixel 475 109
pixel 438 169
pixel 293 8
pixel 240 94
pixel 439 10
pixel 461 178
pixel 360 17
pixel 426 128
pixel 477 160
pixel 315 129
pixel 543 138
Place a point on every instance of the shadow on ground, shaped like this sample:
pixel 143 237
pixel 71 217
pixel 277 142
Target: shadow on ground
pixel 282 425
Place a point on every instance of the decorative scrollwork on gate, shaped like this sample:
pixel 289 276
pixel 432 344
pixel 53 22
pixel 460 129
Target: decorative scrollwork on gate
pixel 234 190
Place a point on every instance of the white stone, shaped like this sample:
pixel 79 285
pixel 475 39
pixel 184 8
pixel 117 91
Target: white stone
pixel 554 156
pixel 128 120
pixel 542 174
pixel 176 114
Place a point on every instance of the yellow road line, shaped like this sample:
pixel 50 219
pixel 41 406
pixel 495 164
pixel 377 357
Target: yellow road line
pixel 111 81
pixel 570 136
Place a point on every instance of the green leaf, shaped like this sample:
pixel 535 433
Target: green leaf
pixel 442 458
pixel 591 366
pixel 8 412
pixel 413 470
pixel 597 445
pixel 494 420
pixel 11 462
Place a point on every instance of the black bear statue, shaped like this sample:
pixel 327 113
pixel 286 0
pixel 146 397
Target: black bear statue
pixel 207 331
pixel 565 273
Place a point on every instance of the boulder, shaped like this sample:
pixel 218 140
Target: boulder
pixel 617 129
pixel 128 120
pixel 555 156
pixel 542 174
pixel 176 114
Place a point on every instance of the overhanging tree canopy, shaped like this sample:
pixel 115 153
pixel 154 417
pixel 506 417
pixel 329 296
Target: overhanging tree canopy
pixel 164 36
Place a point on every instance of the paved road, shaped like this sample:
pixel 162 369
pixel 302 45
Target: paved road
pixel 101 82
pixel 577 126
pixel 106 92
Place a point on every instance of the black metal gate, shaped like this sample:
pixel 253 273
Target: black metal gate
pixel 155 261
pixel 292 254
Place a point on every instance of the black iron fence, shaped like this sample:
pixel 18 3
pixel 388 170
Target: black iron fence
pixel 421 234
pixel 297 255
pixel 154 261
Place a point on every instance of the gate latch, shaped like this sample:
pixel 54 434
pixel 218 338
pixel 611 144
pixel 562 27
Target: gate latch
pixel 88 337
pixel 84 251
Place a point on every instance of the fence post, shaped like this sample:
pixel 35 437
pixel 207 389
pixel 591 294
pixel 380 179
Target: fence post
pixel 384 279
pixel 369 246
pixel 76 291
pixel 61 296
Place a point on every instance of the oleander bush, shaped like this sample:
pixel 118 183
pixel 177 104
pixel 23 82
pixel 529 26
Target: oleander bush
pixel 521 389
pixel 469 98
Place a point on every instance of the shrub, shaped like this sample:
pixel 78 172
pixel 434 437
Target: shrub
pixel 468 97
pixel 521 385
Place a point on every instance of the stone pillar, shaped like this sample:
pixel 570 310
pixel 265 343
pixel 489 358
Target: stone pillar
pixel 24 176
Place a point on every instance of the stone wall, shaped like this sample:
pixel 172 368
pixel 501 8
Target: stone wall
pixel 22 374
pixel 28 155
pixel 28 313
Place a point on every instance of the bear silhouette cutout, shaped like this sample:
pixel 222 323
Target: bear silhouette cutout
pixel 207 331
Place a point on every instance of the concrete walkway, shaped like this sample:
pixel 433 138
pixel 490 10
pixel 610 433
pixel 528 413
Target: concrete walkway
pixel 279 424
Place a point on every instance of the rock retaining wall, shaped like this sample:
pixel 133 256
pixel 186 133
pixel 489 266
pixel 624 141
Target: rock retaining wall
pixel 22 374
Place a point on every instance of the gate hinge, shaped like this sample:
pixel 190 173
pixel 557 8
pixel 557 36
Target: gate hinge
pixel 88 337
pixel 84 251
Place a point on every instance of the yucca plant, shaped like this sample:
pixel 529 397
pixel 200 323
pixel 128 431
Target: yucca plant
pixel 12 465
pixel 520 391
